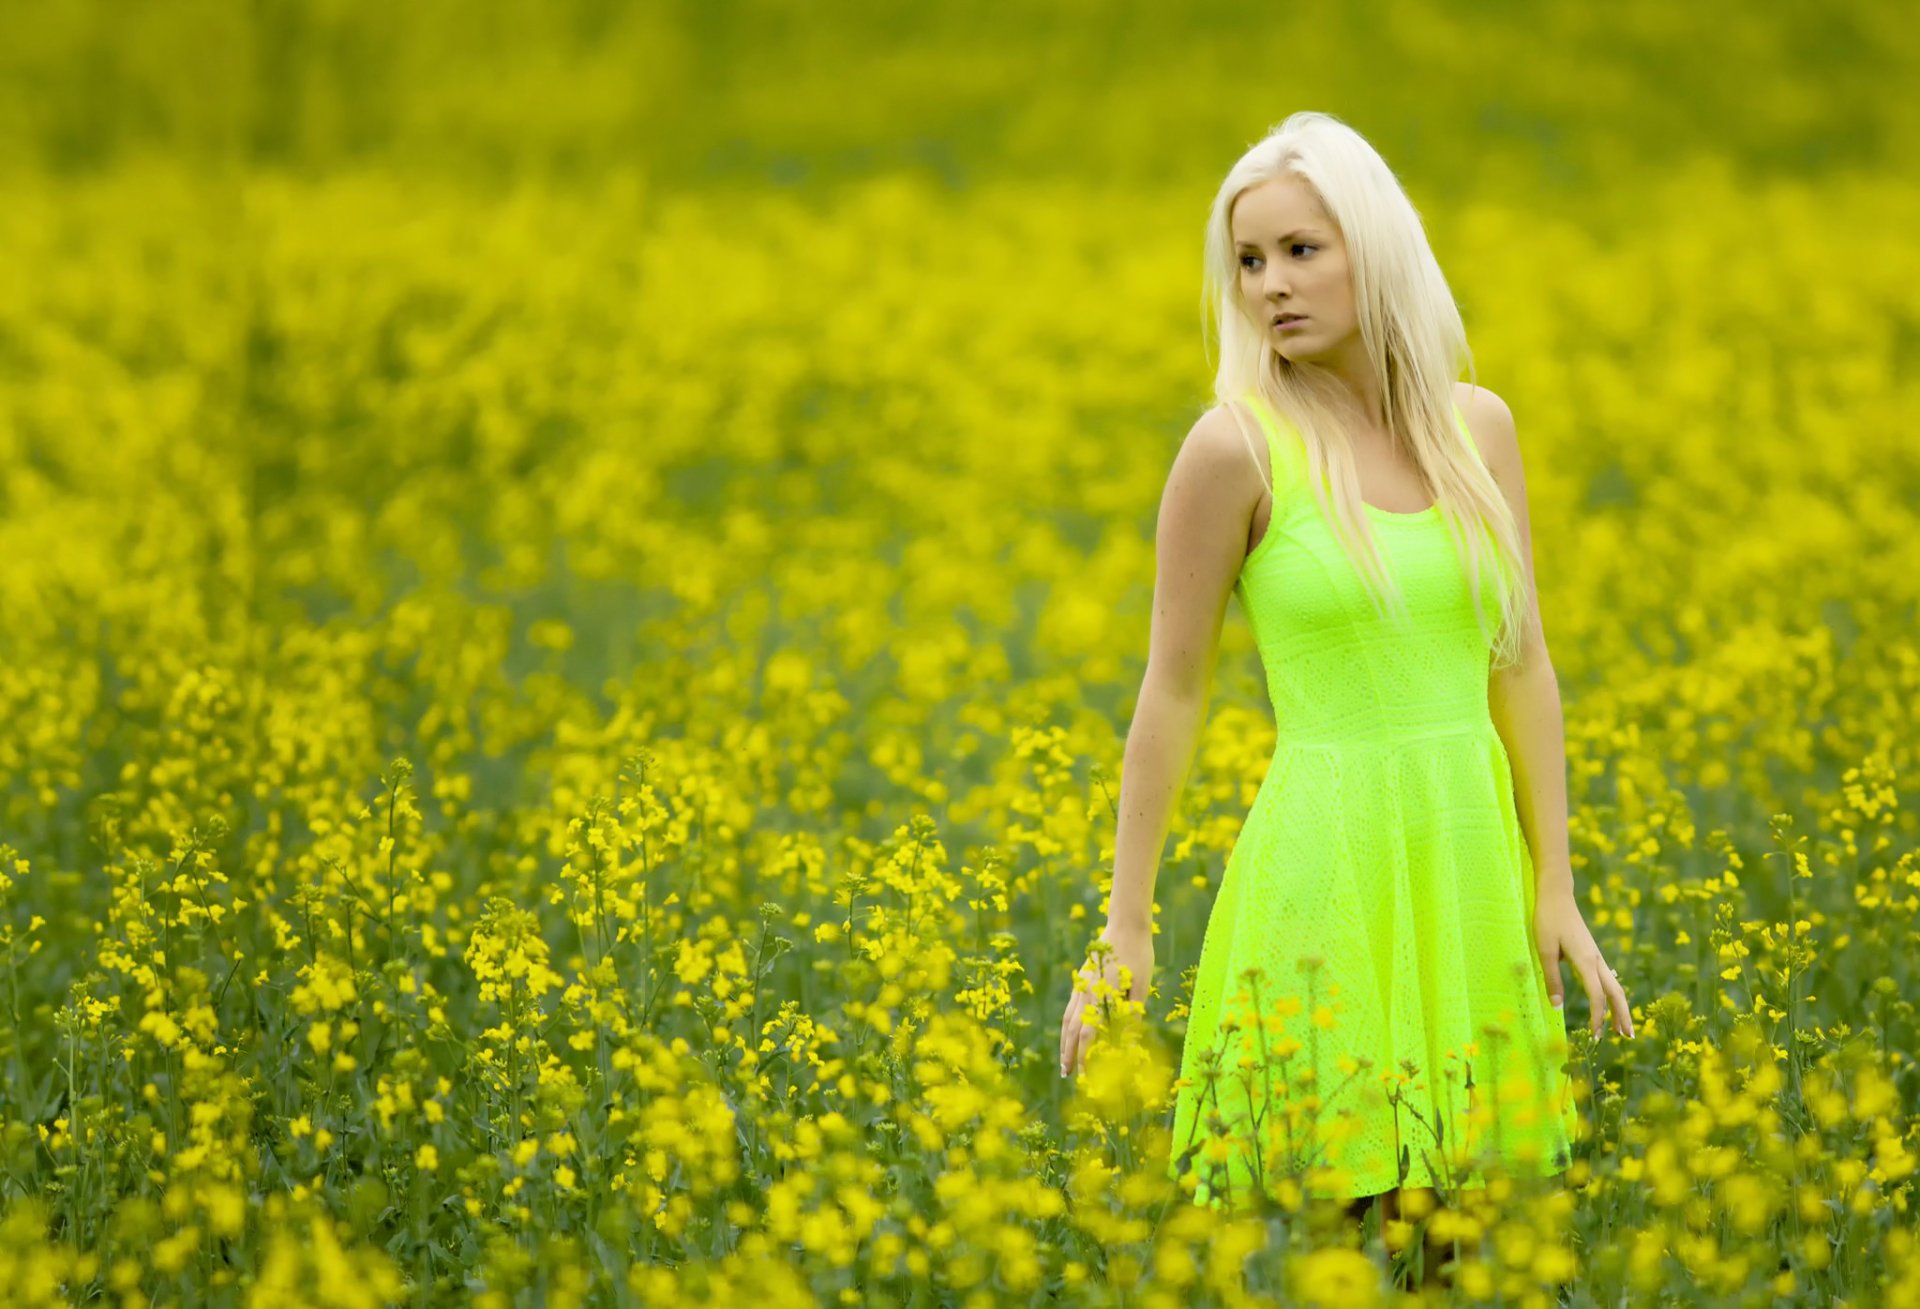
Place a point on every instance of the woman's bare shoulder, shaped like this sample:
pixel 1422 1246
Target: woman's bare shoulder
pixel 1490 422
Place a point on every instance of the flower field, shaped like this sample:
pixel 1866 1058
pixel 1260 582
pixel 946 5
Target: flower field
pixel 573 578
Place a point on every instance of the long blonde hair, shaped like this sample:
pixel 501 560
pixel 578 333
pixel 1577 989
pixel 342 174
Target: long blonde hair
pixel 1410 328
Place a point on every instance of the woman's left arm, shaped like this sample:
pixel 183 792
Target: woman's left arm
pixel 1524 701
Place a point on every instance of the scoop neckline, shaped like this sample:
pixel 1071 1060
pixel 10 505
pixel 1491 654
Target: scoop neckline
pixel 1428 512
pixel 1258 403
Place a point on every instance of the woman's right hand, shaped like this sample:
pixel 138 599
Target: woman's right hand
pixel 1132 950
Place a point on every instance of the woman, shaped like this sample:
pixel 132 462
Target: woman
pixel 1400 899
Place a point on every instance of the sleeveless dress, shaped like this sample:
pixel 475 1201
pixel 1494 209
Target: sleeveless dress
pixel 1377 906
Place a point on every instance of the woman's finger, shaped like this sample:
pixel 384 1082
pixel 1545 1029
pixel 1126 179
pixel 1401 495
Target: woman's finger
pixel 1082 1034
pixel 1082 1038
pixel 1622 1011
pixel 1596 996
pixel 1550 968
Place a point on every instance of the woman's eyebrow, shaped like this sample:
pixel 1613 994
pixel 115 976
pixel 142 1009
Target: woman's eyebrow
pixel 1305 231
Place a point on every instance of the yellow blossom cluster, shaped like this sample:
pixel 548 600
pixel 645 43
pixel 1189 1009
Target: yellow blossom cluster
pixel 566 686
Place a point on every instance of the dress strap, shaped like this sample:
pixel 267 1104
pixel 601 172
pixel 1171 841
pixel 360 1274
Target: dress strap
pixel 1466 435
pixel 1281 450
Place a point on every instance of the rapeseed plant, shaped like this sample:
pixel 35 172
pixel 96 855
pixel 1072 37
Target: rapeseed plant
pixel 499 809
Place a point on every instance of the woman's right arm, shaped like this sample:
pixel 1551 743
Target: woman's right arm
pixel 1206 511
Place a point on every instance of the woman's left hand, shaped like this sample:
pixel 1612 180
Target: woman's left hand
pixel 1562 934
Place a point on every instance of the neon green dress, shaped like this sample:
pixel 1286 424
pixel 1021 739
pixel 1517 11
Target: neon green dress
pixel 1384 850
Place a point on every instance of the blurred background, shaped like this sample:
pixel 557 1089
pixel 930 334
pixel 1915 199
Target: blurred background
pixel 575 576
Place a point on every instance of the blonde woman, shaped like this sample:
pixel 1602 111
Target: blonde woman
pixel 1399 901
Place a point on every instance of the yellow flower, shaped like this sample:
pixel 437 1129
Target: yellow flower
pixel 1337 1276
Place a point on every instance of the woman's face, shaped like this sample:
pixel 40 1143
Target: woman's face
pixel 1292 261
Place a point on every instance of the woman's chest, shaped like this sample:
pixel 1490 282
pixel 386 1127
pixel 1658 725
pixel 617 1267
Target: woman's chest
pixel 1302 576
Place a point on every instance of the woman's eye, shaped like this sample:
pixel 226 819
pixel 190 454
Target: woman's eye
pixel 1246 261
